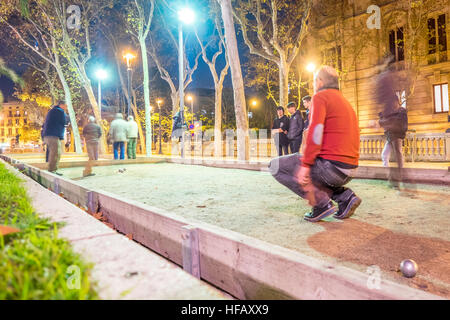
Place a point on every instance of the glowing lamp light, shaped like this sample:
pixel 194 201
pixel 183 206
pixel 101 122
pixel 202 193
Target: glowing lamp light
pixel 311 67
pixel 186 15
pixel 101 74
pixel 189 98
pixel 129 56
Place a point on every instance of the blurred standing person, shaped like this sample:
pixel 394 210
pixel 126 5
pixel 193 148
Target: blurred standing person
pixel 91 133
pixel 307 103
pixel 118 136
pixel 296 125
pixel 44 146
pixel 279 132
pixel 53 133
pixel 393 119
pixel 132 135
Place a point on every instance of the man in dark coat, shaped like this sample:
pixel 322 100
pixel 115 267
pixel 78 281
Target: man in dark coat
pixel 296 126
pixel 53 133
pixel 91 133
pixel 279 132
pixel 307 103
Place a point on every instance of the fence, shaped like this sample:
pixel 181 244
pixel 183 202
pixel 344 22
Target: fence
pixel 416 147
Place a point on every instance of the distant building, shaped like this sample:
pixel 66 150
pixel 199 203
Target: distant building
pixel 13 117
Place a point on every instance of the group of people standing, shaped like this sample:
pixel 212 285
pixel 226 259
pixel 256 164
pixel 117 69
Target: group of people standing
pixel 120 132
pixel 287 131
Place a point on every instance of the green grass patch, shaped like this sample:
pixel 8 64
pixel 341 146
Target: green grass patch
pixel 35 263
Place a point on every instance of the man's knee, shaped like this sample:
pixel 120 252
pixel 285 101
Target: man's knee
pixel 274 166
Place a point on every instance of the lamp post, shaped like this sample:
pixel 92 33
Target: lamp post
pixel 186 16
pixel 159 101
pixel 101 74
pixel 191 100
pixel 253 103
pixel 128 57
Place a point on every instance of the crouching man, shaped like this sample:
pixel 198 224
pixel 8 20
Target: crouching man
pixel 331 153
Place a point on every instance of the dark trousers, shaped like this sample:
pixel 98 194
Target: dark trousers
pixel 295 145
pixel 327 181
pixel 283 149
pixel 119 145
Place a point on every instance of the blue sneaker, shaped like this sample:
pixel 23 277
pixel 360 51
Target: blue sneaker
pixel 347 208
pixel 319 213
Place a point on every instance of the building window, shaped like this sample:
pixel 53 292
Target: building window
pixel 9 122
pixel 437 38
pixel 397 44
pixel 333 57
pixel 3 132
pixel 25 121
pixel 441 98
pixel 10 113
pixel 401 98
pixel 17 113
pixel 17 130
pixel 9 131
pixel 17 122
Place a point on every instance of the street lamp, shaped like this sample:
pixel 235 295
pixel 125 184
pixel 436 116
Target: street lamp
pixel 128 56
pixel 101 74
pixel 159 101
pixel 186 16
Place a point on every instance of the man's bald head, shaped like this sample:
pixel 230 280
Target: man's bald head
pixel 326 77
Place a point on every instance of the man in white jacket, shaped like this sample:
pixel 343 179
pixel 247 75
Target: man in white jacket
pixel 118 136
pixel 132 135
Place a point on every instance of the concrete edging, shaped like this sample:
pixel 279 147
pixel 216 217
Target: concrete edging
pixel 122 268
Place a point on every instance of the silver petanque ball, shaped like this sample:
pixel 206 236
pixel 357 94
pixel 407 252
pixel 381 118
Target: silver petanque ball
pixel 409 268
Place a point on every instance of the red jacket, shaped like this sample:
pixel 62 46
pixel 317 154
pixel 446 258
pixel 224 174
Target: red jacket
pixel 332 115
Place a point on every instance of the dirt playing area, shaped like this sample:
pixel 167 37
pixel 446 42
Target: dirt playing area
pixel 388 226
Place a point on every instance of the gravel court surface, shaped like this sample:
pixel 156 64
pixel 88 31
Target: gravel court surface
pixel 388 227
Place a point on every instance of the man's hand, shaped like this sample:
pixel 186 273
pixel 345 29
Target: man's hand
pixel 303 177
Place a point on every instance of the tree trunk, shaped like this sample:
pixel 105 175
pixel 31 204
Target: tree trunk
pixel 218 121
pixel 240 107
pixel 148 124
pixel 175 101
pixel 284 82
pixel 72 116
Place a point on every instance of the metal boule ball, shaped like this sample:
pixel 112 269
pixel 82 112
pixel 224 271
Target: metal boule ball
pixel 408 268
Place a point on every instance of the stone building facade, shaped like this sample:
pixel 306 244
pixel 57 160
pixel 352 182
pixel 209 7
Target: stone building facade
pixel 347 36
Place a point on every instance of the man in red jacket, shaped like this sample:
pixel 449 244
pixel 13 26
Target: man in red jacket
pixel 331 153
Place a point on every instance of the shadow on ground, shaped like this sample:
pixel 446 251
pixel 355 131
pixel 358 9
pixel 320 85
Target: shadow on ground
pixel 363 243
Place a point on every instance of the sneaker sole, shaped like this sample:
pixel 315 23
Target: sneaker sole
pixel 350 210
pixel 323 215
